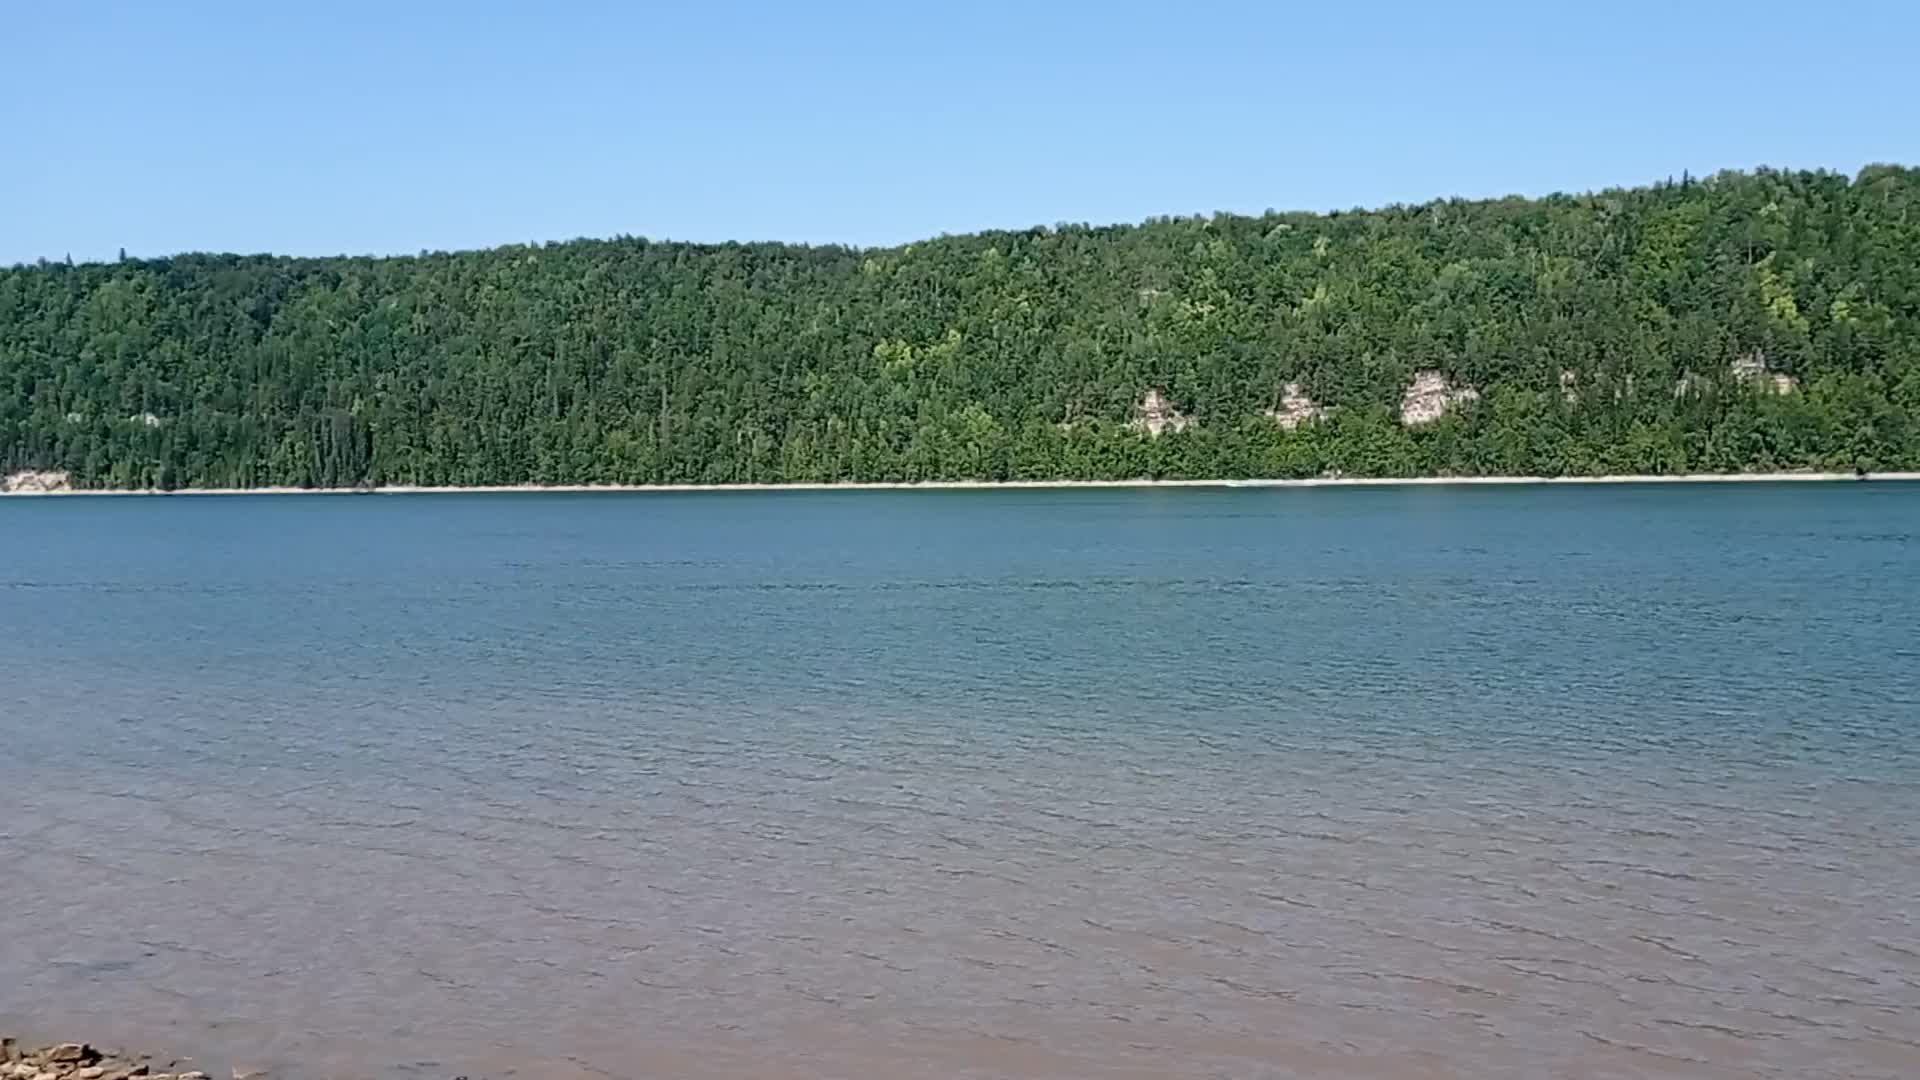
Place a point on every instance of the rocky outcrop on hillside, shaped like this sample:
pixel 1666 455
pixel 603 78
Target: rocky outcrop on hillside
pixel 1295 408
pixel 1430 396
pixel 1156 416
pixel 1753 370
pixel 35 482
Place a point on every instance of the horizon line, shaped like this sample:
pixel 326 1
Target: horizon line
pixel 1686 179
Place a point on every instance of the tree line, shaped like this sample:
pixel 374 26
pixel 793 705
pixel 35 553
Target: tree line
pixel 1764 320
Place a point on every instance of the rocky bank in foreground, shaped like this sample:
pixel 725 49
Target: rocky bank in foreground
pixel 79 1061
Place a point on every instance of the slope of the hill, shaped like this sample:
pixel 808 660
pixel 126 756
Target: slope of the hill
pixel 1748 321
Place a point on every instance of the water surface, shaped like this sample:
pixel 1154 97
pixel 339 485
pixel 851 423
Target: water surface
pixel 1481 782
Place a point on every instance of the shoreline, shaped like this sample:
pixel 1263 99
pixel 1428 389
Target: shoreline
pixel 82 1061
pixel 1005 485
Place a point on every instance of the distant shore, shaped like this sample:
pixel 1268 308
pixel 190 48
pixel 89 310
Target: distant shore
pixel 1012 485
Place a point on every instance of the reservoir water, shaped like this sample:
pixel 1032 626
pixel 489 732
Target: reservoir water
pixel 1380 783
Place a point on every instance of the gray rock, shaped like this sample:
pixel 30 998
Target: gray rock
pixel 72 1052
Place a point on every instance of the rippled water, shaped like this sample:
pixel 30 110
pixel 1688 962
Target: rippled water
pixel 1607 782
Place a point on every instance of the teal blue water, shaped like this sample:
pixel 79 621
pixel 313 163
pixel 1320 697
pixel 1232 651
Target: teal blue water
pixel 1600 781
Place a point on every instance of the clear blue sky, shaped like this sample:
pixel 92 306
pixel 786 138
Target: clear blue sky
pixel 345 126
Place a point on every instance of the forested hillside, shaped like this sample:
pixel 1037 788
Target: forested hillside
pixel 1747 321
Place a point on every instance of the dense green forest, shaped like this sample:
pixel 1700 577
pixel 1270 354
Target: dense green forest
pixel 1747 321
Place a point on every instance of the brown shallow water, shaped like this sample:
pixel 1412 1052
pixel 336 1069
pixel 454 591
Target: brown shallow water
pixel 537 822
pixel 999 919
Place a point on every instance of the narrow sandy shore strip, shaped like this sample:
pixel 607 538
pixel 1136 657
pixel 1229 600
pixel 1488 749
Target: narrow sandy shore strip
pixel 1020 485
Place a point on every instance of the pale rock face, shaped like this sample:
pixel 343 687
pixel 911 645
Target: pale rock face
pixel 35 482
pixel 1569 386
pixel 1752 369
pixel 1296 408
pixel 1751 366
pixel 145 419
pixel 1156 416
pixel 1430 396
